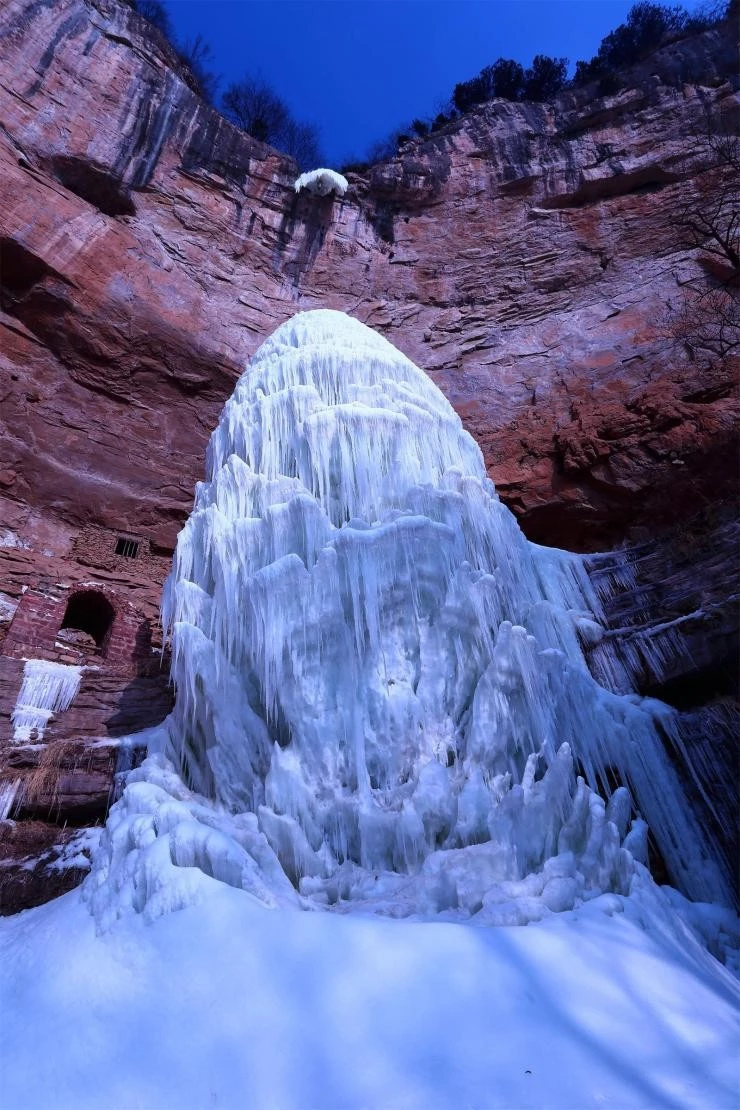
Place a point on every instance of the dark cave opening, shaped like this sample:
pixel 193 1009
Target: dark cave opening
pixel 90 611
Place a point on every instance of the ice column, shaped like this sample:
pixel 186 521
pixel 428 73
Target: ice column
pixel 8 792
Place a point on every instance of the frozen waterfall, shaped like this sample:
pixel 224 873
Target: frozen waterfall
pixel 382 700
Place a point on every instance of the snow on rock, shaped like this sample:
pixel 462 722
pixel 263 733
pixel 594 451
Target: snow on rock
pixel 47 688
pixel 322 182
pixel 8 606
pixel 382 701
pixel 9 538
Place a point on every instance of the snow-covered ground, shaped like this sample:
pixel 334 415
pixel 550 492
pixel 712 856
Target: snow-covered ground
pixel 227 1004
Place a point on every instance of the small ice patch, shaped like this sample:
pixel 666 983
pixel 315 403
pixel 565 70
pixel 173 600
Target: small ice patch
pixel 8 791
pixel 8 606
pixel 47 688
pixel 9 538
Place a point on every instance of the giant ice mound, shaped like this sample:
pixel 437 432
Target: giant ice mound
pixel 381 696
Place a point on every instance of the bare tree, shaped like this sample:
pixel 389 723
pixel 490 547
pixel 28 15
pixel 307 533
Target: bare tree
pixel 708 319
pixel 712 222
pixel 707 322
pixel 197 55
pixel 301 141
pixel 256 108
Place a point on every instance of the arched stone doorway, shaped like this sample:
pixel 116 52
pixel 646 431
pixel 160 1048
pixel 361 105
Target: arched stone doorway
pixel 90 612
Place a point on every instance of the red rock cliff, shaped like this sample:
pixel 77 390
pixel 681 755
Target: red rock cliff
pixel 528 257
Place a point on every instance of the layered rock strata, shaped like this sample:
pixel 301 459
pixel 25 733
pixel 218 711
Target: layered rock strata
pixel 528 256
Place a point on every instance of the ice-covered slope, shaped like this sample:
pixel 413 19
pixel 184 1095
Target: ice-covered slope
pixel 233 1006
pixel 381 697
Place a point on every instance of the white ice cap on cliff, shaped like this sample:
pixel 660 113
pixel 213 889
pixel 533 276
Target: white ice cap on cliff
pixel 321 182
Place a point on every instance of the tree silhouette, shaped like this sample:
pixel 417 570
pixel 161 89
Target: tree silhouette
pixel 707 322
pixel 256 108
pixel 197 55
pixel 545 78
pixel 156 13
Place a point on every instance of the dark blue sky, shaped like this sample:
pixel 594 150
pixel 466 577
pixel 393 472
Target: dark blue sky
pixel 360 68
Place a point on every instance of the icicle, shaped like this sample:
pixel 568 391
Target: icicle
pixel 47 688
pixel 8 792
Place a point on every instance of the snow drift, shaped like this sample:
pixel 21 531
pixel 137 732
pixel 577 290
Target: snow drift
pixel 229 1005
pixel 381 697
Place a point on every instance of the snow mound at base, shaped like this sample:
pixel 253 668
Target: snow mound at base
pixel 164 847
pixel 227 1004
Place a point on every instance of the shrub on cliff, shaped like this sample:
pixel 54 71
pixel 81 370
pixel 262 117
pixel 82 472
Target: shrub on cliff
pixel 545 78
pixel 507 79
pixel 195 54
pixel 156 13
pixel 647 27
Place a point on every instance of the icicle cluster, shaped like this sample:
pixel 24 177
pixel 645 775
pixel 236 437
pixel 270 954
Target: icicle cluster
pixel 47 688
pixel 374 664
pixel 8 792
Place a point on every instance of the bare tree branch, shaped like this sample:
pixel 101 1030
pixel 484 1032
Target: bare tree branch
pixel 707 322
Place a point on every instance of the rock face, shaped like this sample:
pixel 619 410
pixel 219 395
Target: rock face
pixel 671 608
pixel 529 257
pixel 526 257
pixel 95 611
